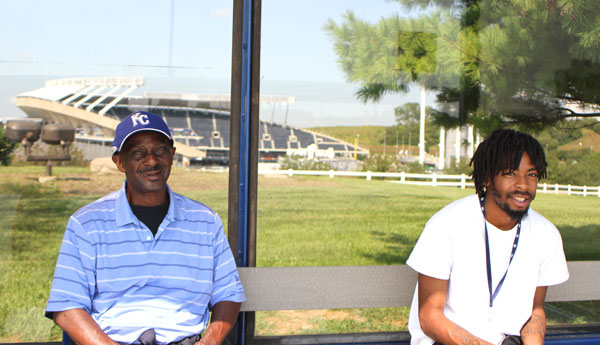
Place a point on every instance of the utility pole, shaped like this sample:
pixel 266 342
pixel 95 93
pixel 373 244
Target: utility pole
pixel 171 71
pixel 422 126
pixel 384 139
pixel 396 140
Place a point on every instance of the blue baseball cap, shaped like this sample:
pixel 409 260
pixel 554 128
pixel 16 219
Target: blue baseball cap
pixel 138 122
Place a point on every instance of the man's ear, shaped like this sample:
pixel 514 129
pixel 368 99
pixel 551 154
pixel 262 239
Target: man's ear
pixel 118 162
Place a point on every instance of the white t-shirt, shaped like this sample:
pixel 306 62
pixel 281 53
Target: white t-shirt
pixel 452 247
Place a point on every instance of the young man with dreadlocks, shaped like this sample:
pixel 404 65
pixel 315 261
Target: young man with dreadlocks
pixel 485 261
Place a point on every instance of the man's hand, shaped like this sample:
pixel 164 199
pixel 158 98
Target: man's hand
pixel 534 329
pixel 81 328
pixel 432 299
pixel 223 318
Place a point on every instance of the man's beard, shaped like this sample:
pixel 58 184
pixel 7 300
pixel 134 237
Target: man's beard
pixel 513 214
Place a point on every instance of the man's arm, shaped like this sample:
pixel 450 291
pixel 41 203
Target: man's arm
pixel 432 299
pixel 223 318
pixel 82 329
pixel 534 329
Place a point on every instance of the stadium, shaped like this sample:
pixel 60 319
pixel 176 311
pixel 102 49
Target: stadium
pixel 199 122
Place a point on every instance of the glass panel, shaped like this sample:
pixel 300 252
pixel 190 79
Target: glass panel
pixel 344 88
pixel 90 64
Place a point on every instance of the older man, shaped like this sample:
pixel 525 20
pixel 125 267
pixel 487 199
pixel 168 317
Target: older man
pixel 144 265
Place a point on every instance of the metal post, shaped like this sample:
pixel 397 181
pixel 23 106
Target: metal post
pixel 243 153
pixel 49 168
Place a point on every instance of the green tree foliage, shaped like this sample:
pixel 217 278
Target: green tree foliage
pixel 578 168
pixel 493 63
pixel 407 124
pixel 6 148
pixel 552 138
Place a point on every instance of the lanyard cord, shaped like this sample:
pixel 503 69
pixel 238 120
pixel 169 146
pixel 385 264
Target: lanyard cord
pixel 487 256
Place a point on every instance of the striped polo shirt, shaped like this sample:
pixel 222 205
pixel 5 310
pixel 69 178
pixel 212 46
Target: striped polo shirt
pixel 129 281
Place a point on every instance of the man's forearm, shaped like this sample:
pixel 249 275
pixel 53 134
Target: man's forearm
pixel 449 333
pixel 82 329
pixel 432 299
pixel 460 336
pixel 534 329
pixel 223 318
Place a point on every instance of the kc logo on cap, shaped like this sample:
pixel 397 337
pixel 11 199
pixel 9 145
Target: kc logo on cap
pixel 139 118
pixel 137 122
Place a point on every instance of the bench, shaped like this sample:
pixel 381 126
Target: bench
pixel 348 287
pixel 303 288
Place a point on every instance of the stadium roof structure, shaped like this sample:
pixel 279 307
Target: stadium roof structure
pixel 199 122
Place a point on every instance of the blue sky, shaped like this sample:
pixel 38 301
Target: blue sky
pixel 124 37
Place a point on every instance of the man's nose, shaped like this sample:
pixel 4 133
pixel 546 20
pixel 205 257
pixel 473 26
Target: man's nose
pixel 522 181
pixel 151 158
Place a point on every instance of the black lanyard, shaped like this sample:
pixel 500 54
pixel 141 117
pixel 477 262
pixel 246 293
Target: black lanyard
pixel 487 255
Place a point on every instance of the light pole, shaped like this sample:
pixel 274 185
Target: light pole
pixel 356 140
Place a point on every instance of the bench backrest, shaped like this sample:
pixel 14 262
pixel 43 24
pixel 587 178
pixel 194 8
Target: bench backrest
pixel 296 288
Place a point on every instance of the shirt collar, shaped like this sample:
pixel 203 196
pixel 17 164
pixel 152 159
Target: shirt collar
pixel 124 214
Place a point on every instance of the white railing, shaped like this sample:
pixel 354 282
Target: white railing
pixel 434 180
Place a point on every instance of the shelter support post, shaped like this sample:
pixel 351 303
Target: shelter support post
pixel 243 153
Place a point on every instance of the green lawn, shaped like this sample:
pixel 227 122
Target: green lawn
pixel 302 221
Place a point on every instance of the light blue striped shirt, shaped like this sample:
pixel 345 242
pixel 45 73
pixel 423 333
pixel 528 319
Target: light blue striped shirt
pixel 112 266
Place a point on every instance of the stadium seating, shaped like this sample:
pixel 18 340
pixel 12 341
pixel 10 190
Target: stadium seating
pixel 209 130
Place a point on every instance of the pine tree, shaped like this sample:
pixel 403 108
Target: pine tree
pixel 503 62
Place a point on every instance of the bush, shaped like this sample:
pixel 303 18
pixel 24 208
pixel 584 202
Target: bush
pixel 381 163
pixel 301 163
pixel 390 163
pixel 462 167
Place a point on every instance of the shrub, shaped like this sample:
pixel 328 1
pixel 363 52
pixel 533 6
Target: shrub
pixel 301 163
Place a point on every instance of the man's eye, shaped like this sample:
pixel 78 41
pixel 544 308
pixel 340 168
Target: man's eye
pixel 161 150
pixel 533 174
pixel 137 154
pixel 508 173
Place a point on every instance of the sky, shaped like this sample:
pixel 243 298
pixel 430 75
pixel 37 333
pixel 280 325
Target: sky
pixel 72 38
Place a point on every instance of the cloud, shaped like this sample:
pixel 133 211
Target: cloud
pixel 222 13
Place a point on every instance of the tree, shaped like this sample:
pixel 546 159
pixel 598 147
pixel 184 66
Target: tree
pixel 407 123
pixel 409 114
pixel 493 63
pixel 6 148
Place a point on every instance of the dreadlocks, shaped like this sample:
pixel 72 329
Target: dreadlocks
pixel 503 150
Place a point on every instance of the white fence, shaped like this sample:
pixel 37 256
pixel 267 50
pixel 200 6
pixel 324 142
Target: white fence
pixel 433 180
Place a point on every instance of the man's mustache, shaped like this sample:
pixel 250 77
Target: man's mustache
pixel 151 168
pixel 524 193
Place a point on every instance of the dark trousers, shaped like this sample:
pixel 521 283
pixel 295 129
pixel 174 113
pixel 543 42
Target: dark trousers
pixel 509 340
pixel 149 338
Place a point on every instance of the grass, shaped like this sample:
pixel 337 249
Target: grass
pixel 369 137
pixel 302 221
pixel 32 219
pixel 590 140
pixel 324 222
